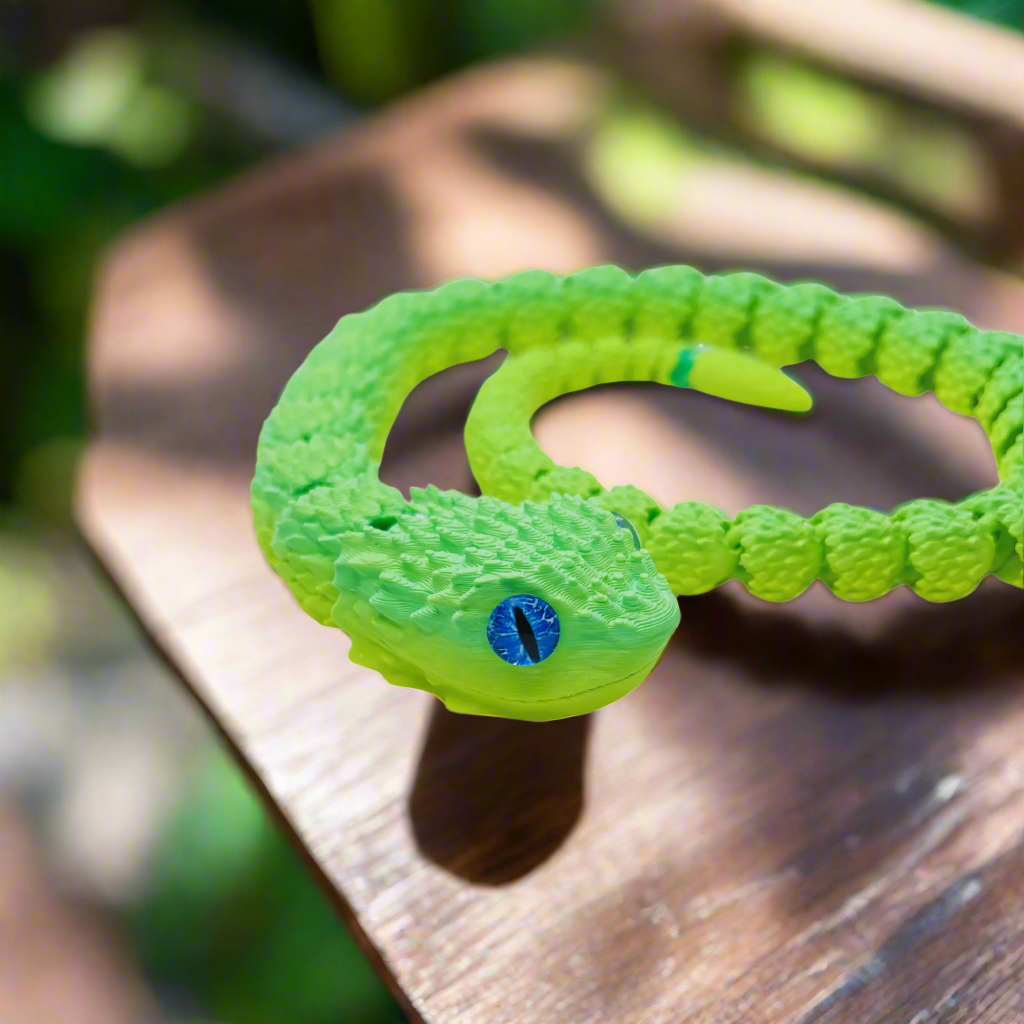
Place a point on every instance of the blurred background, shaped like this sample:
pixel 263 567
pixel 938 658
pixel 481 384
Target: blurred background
pixel 140 879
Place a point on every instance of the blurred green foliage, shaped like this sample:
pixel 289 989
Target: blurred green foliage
pixel 93 139
pixel 232 917
pixel 376 49
pixel 1003 12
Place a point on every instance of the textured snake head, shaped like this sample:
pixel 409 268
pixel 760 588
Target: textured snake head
pixel 537 611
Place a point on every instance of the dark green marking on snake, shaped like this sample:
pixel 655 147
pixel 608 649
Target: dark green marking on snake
pixel 680 375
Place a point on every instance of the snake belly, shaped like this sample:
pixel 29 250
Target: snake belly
pixel 551 596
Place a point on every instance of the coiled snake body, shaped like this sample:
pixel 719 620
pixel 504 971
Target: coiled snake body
pixel 551 596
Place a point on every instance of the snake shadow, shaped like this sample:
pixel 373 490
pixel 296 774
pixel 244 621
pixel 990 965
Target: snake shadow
pixel 494 798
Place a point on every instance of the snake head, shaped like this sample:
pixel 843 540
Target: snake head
pixel 538 611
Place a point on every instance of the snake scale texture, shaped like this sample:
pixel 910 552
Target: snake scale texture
pixel 551 596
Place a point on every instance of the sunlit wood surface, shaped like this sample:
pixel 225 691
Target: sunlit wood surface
pixel 810 813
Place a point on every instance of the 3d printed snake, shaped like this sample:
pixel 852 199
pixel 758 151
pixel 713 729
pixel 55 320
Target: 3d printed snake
pixel 550 596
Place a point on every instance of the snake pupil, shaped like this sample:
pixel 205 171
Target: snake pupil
pixel 523 630
pixel 526 636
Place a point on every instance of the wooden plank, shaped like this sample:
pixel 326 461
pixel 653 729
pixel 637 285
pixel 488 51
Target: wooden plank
pixel 938 64
pixel 916 46
pixel 811 812
pixel 960 61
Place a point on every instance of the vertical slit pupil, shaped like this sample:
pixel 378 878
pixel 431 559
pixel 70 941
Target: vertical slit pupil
pixel 526 637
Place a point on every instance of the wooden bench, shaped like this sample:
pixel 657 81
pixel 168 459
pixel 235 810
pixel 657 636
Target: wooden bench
pixel 811 812
pixel 918 62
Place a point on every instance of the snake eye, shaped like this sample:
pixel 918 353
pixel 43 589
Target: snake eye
pixel 523 630
pixel 627 525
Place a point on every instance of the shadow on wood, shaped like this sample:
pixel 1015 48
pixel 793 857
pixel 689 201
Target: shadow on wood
pixel 494 798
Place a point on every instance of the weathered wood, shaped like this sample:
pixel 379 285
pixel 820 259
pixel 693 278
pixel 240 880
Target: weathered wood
pixel 811 812
pixel 962 61
pixel 932 62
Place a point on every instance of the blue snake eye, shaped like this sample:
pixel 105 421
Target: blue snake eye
pixel 523 630
pixel 627 525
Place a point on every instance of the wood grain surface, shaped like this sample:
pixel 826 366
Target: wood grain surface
pixel 811 812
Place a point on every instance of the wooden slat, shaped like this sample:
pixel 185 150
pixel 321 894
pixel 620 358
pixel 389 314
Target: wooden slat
pixel 934 62
pixel 963 62
pixel 811 812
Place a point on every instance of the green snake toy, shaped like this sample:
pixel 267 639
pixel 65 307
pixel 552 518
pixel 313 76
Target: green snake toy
pixel 550 596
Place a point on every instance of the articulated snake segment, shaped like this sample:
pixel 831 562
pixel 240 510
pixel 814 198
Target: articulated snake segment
pixel 550 596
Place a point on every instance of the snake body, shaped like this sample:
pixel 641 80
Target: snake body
pixel 551 596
